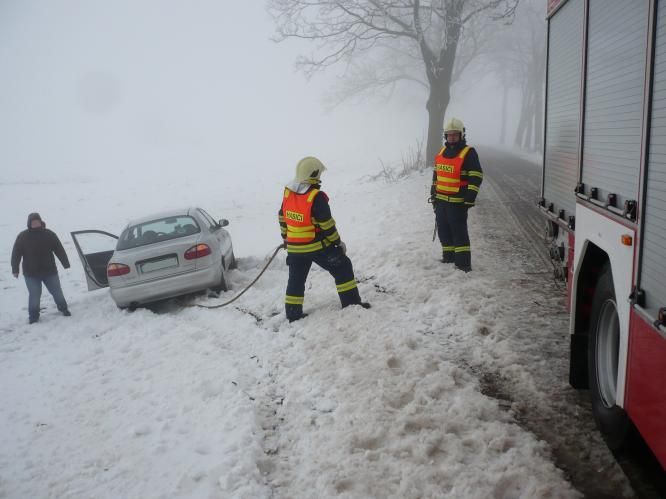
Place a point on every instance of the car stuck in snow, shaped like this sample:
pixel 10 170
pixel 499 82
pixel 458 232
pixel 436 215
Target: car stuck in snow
pixel 157 257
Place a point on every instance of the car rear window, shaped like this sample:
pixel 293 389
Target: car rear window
pixel 157 231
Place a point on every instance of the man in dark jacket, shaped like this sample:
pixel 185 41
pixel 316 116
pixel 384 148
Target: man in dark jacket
pixel 456 180
pixel 36 247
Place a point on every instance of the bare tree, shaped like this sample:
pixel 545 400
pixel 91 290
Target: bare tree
pixel 427 33
pixel 517 56
pixel 529 134
pixel 377 74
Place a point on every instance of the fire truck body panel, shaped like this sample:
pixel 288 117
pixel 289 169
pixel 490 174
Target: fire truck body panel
pixel 652 277
pixel 646 373
pixel 604 196
pixel 614 93
pixel 563 114
pixel 605 234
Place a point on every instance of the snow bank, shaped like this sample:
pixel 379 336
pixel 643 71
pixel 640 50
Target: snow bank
pixel 236 402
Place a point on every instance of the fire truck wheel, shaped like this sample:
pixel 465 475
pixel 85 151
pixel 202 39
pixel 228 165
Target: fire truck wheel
pixel 603 358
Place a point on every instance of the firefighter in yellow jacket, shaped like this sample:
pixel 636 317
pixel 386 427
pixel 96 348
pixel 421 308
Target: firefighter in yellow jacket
pixel 456 180
pixel 310 235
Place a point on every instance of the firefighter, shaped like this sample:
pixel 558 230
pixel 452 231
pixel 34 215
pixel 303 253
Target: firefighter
pixel 456 179
pixel 310 235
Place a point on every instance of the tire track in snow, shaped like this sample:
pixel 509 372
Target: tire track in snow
pixel 377 389
pixel 534 325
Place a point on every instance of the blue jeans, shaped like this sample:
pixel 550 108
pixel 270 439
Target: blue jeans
pixel 52 283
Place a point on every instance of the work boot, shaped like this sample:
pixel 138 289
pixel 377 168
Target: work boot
pixel 66 313
pixel 32 321
pixel 297 318
pixel 294 312
pixel 363 304
pixel 448 257
pixel 464 269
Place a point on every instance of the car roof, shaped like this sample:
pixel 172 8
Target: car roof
pixel 163 214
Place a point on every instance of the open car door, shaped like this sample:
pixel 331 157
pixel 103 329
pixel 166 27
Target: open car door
pixel 95 248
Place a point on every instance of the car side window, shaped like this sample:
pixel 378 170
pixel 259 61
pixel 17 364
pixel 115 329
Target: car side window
pixel 208 218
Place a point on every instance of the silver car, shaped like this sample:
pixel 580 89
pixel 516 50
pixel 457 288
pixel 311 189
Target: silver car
pixel 157 257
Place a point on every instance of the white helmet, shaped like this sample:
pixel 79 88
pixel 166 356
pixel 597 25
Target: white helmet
pixel 454 125
pixel 309 170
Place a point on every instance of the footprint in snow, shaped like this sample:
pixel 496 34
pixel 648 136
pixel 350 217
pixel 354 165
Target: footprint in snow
pixel 393 362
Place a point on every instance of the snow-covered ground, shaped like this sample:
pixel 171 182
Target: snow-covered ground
pixel 396 401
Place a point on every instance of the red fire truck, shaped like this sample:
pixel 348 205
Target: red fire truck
pixel 604 196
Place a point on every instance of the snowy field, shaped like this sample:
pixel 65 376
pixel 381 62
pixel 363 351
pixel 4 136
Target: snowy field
pixel 238 403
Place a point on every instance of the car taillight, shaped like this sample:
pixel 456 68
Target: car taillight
pixel 198 251
pixel 116 269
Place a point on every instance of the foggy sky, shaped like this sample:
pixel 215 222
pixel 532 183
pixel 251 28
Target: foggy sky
pixel 96 87
pixel 99 88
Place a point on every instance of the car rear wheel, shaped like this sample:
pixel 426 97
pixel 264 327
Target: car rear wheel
pixel 603 361
pixel 222 285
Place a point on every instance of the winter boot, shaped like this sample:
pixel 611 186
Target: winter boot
pixel 297 318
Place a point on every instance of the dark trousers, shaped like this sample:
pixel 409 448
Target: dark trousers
pixel 333 260
pixel 52 283
pixel 452 230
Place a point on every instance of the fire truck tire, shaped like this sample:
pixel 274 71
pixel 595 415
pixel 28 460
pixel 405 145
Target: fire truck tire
pixel 603 359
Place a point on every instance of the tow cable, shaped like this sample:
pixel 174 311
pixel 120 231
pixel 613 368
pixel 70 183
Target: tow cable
pixel 220 305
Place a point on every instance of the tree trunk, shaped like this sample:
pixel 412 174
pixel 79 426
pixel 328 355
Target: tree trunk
pixel 438 101
pixel 538 122
pixel 539 89
pixel 522 125
pixel 528 143
pixel 505 98
pixel 536 107
pixel 439 70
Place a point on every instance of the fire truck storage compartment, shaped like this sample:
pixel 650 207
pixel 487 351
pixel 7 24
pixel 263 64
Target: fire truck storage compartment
pixel 616 58
pixel 653 261
pixel 565 51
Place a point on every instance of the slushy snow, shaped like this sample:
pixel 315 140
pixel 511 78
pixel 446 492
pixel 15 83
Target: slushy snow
pixel 238 403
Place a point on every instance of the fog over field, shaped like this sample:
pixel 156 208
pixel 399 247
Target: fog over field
pixel 116 89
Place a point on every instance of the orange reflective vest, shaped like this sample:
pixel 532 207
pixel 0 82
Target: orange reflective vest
pixel 449 171
pixel 297 213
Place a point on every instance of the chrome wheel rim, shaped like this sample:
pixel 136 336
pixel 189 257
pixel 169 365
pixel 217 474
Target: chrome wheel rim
pixel 608 349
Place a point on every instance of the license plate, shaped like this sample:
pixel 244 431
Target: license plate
pixel 155 265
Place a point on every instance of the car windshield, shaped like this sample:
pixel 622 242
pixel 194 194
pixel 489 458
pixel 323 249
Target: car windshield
pixel 157 231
